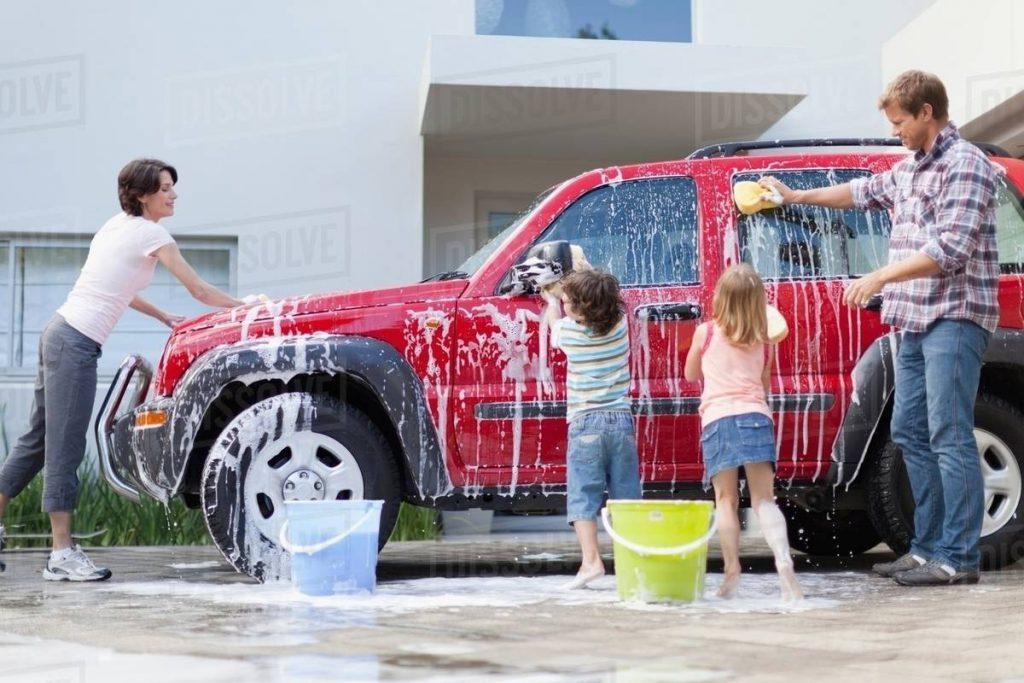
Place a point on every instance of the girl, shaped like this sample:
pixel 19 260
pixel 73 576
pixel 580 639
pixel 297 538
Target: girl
pixel 121 261
pixel 733 356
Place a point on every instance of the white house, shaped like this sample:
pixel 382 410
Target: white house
pixel 326 145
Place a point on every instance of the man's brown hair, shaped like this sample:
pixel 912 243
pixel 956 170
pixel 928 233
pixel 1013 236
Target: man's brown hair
pixel 911 90
pixel 139 178
pixel 595 296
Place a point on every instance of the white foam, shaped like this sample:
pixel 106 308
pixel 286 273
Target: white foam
pixel 195 565
pixel 544 557
pixel 757 593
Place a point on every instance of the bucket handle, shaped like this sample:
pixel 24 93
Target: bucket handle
pixel 645 550
pixel 317 547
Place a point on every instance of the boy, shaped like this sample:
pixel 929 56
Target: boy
pixel 602 454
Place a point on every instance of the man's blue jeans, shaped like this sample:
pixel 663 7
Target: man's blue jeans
pixel 937 374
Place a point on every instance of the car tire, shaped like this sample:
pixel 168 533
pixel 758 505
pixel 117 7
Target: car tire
pixel 829 533
pixel 293 446
pixel 999 429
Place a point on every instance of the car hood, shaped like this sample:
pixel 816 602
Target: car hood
pixel 321 303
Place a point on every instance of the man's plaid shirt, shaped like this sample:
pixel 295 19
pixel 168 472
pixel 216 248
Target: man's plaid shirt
pixel 943 204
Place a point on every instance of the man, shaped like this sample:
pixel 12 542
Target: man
pixel 940 289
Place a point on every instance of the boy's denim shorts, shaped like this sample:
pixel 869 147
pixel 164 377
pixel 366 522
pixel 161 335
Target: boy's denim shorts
pixel 730 442
pixel 602 457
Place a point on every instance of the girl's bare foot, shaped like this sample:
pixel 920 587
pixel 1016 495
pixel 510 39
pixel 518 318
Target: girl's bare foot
pixel 729 585
pixel 584 577
pixel 791 591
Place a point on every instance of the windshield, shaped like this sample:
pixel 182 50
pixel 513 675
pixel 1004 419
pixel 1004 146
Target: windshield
pixel 474 262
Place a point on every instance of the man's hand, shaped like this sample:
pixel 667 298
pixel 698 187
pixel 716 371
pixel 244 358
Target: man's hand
pixel 860 291
pixel 789 195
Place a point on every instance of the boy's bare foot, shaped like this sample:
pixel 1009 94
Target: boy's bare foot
pixel 584 577
pixel 729 585
pixel 791 591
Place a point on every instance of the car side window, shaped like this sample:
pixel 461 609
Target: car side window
pixel 1009 229
pixel 642 231
pixel 801 241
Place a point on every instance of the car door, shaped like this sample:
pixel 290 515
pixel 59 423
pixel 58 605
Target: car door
pixel 807 255
pixel 510 416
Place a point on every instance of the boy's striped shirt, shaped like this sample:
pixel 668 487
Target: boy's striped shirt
pixel 598 368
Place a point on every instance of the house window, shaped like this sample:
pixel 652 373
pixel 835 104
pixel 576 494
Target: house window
pixel 651 20
pixel 38 274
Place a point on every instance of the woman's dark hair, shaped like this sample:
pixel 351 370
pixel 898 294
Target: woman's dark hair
pixel 139 178
pixel 595 297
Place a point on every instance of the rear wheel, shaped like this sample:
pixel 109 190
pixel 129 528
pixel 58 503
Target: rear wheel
pixel 291 447
pixel 999 431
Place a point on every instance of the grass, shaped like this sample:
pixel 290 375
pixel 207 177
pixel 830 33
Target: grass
pixel 416 524
pixel 126 523
pixel 150 522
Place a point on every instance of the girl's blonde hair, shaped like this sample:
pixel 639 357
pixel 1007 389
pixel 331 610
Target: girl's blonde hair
pixel 739 306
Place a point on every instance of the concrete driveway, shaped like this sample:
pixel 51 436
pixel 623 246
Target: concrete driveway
pixel 492 607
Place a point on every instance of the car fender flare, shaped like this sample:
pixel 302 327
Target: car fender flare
pixel 872 396
pixel 376 364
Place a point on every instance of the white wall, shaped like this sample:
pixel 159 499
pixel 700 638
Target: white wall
pixel 294 127
pixel 844 78
pixel 976 48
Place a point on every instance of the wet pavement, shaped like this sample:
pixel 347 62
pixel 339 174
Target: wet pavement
pixel 492 607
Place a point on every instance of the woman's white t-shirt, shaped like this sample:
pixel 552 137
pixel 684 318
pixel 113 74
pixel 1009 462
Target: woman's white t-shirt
pixel 120 264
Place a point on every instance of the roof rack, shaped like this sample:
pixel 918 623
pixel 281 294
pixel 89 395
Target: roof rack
pixel 731 149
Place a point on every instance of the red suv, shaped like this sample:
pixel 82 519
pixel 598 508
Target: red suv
pixel 444 394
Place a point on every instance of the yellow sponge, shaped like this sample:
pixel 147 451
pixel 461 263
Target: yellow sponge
pixel 751 197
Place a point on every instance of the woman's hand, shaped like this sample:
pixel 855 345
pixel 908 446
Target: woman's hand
pixel 172 320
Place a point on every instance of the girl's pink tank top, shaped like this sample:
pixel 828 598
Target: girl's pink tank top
pixel 732 378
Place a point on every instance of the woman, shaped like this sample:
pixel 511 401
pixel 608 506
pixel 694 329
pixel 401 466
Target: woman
pixel 121 261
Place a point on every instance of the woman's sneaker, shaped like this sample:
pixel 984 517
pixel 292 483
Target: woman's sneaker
pixel 72 564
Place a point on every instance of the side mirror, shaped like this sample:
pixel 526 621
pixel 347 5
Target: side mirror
pixel 544 263
pixel 557 251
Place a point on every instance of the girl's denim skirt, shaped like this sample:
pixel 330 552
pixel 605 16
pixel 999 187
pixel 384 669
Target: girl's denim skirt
pixel 733 441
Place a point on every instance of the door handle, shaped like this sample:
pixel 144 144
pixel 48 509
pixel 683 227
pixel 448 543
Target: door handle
pixel 675 311
pixel 874 303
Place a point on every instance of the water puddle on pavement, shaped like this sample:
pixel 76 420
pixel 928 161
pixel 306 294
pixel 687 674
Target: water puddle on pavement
pixel 31 659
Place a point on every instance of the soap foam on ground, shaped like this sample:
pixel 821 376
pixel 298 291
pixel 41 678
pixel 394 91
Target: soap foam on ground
pixel 757 593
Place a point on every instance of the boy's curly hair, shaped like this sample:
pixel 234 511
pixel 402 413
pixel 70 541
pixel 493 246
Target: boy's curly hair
pixel 595 296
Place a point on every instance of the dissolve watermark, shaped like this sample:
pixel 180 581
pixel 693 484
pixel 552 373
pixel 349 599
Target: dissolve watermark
pixel 448 247
pixel 289 248
pixel 525 98
pixel 43 93
pixel 240 103
pixel 987 91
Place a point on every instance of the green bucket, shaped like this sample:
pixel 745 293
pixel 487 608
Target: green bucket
pixel 661 547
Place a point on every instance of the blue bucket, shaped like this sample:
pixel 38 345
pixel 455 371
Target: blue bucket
pixel 333 544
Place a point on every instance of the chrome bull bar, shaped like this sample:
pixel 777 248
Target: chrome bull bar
pixel 104 428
